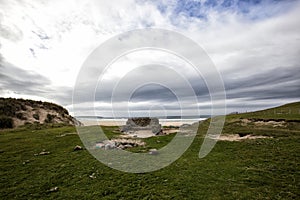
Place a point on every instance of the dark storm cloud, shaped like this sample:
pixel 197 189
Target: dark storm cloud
pixel 283 82
pixel 270 77
pixel 278 83
pixel 146 83
pixel 20 81
pixel 157 92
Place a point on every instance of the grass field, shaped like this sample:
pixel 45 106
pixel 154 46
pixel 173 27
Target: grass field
pixel 249 169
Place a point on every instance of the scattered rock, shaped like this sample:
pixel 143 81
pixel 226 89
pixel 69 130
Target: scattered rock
pixel 44 152
pixel 99 145
pixel 128 146
pixel 25 162
pixel 153 152
pixel 120 143
pixel 92 176
pixel 54 189
pixel 160 133
pixel 77 148
pixel 109 146
pixel 65 134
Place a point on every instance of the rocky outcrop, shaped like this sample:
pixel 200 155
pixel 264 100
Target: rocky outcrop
pixel 119 144
pixel 18 112
pixel 142 123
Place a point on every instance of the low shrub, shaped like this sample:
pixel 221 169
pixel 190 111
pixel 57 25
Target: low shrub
pixel 36 116
pixel 49 118
pixel 6 122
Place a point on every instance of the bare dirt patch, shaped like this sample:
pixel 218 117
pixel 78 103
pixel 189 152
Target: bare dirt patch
pixel 236 137
pixel 271 123
pixel 138 134
pixel 245 122
pixel 147 133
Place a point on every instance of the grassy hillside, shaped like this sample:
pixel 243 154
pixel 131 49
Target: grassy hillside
pixel 18 112
pixel 287 112
pixel 249 169
pixel 281 121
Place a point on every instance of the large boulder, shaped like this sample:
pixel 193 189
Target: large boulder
pixel 142 123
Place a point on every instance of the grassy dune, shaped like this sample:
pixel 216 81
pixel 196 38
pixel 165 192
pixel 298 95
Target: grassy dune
pixel 249 169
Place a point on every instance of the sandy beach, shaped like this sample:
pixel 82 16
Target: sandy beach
pixel 121 122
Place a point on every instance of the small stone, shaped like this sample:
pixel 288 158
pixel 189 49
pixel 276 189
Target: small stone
pixel 153 152
pixel 128 146
pixel 26 161
pixel 99 145
pixel 92 176
pixel 77 148
pixel 44 153
pixel 107 146
pixel 110 146
pixel 54 189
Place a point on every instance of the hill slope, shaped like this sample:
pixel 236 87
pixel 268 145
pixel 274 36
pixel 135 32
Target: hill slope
pixel 279 121
pixel 287 112
pixel 18 112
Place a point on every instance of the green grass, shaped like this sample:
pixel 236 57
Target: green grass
pixel 250 169
pixel 287 112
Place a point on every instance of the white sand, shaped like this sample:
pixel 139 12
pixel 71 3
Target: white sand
pixel 236 137
pixel 121 122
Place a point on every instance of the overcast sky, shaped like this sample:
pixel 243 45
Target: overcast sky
pixel 254 45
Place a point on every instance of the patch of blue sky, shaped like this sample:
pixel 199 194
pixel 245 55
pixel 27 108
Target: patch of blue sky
pixel 190 9
pixel 162 7
pixel 249 9
pixel 262 9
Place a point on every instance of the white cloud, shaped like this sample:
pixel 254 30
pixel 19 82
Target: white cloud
pixel 53 38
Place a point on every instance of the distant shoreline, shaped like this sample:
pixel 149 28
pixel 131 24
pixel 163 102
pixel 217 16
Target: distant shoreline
pixel 121 122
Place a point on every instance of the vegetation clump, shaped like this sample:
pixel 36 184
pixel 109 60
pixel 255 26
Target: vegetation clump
pixel 36 116
pixel 49 118
pixel 20 112
pixel 6 122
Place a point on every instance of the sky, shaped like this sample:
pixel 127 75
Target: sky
pixel 253 44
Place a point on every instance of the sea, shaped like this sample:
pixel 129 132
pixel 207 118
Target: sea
pixel 164 121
